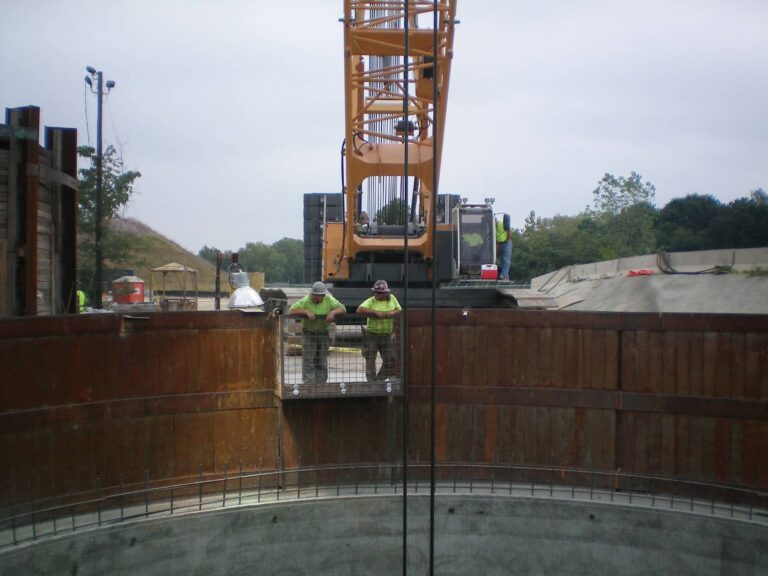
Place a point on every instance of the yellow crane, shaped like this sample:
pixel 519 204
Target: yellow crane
pixel 395 63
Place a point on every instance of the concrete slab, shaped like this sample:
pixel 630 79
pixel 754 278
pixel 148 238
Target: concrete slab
pixel 607 286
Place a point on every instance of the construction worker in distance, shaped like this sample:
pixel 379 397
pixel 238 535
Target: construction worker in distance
pixel 503 247
pixel 363 224
pixel 380 308
pixel 319 310
pixel 81 300
pixel 471 246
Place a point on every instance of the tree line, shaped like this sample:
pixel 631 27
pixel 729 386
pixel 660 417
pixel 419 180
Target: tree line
pixel 621 221
pixel 282 262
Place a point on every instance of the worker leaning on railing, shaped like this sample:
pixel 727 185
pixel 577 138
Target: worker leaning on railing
pixel 319 310
pixel 380 308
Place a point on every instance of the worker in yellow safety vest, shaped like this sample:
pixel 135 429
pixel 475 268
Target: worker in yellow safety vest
pixel 503 247
pixel 380 308
pixel 80 301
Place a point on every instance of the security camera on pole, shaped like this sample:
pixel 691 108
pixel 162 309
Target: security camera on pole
pixel 98 75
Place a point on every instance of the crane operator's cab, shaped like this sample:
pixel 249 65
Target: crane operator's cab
pixel 473 239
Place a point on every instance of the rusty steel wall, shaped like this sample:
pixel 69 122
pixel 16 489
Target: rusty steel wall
pixel 96 401
pixel 677 395
pixel 93 401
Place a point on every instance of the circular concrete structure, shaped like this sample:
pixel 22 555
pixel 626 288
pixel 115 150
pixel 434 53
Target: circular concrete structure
pixel 363 535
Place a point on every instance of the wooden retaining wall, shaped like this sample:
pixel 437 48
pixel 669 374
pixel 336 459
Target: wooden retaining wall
pixel 97 401
pixel 38 207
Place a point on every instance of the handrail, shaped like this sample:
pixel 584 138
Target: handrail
pixel 344 480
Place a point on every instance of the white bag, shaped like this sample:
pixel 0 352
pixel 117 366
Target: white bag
pixel 245 297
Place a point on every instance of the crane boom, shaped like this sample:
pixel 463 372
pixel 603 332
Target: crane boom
pixel 395 61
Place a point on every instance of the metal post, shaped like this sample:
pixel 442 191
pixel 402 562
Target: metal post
pixel 200 490
pixel 99 216
pixel 146 493
pixel 97 303
pixel 217 299
pixel 224 495
pixel 122 507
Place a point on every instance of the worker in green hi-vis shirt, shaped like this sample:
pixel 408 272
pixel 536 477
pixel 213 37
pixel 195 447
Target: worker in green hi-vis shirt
pixel 81 300
pixel 319 310
pixel 380 308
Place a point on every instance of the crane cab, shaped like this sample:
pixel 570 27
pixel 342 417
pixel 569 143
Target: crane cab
pixel 473 240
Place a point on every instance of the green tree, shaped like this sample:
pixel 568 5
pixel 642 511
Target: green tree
pixel 117 189
pixel 292 251
pixel 689 223
pixel 624 213
pixel 547 244
pixel 209 253
pixel 614 195
pixel 745 222
pixel 392 213
pixel 281 262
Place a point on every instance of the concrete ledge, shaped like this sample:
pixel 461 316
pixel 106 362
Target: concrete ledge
pixel 363 535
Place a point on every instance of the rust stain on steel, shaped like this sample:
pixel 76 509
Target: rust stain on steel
pixel 597 399
pixel 501 395
pixel 22 420
pixel 441 435
pixel 671 322
pixel 491 433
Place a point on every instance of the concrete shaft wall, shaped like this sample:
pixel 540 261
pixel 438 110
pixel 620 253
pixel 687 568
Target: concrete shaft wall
pixel 474 535
pixel 96 402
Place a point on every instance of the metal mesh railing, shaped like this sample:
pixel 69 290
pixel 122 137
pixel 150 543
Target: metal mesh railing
pixel 346 360
pixel 253 488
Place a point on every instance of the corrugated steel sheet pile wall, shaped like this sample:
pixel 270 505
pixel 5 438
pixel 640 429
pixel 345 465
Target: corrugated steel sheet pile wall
pixel 37 216
pixel 93 401
pixel 676 395
pixel 97 400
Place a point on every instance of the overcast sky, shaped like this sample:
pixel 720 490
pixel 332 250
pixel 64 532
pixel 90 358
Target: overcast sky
pixel 232 110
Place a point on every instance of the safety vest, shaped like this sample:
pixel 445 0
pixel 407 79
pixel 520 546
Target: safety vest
pixel 320 310
pixel 472 239
pixel 501 234
pixel 80 301
pixel 381 326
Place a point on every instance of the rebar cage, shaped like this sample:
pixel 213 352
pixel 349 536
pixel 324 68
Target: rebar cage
pixel 348 360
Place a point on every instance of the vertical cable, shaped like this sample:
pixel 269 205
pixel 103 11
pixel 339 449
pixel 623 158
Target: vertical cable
pixel 433 368
pixel 404 350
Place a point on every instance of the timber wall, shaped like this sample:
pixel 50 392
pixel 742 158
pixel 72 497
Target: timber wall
pixel 38 206
pixel 97 401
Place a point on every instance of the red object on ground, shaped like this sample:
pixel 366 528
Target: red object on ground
pixel 640 272
pixel 128 290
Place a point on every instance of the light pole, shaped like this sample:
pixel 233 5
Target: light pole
pixel 99 76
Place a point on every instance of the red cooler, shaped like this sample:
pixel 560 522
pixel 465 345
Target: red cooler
pixel 489 272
